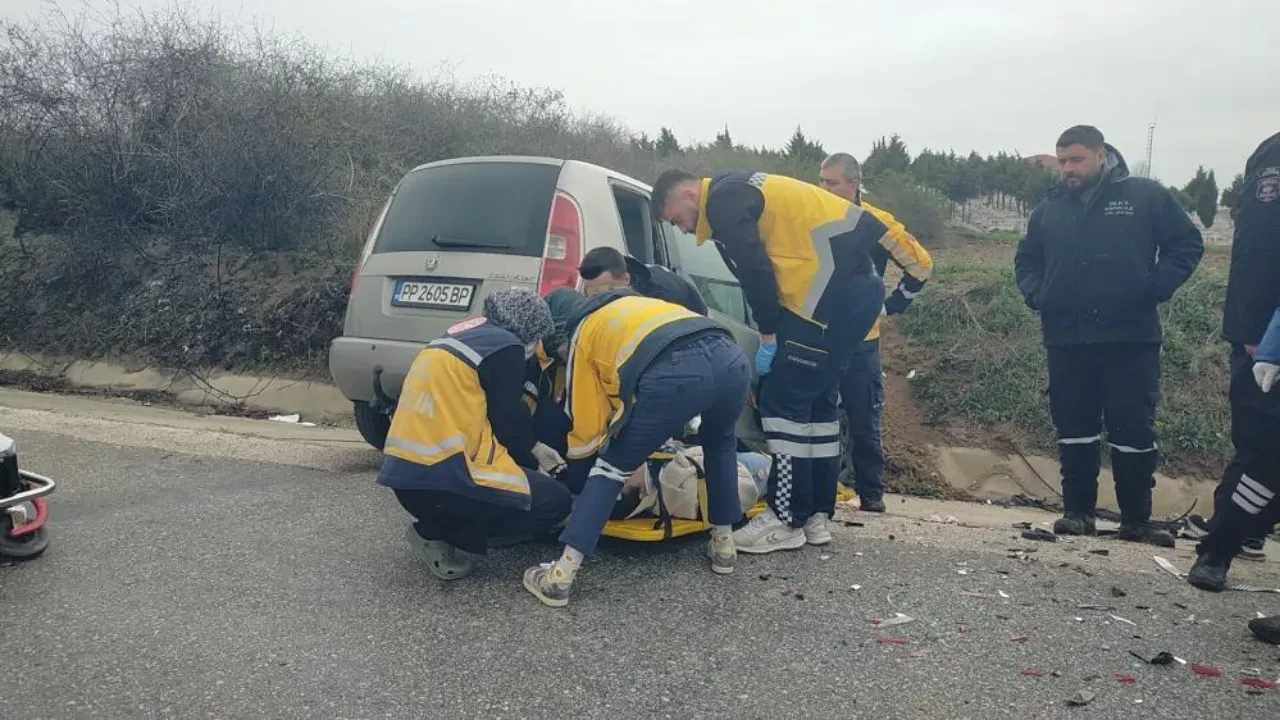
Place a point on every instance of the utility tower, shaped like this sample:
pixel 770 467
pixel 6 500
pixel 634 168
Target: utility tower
pixel 1151 134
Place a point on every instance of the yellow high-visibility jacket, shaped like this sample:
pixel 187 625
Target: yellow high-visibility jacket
pixel 616 336
pixel 907 253
pixel 440 437
pixel 793 245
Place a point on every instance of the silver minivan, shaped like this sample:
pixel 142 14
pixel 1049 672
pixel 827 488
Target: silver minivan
pixel 456 230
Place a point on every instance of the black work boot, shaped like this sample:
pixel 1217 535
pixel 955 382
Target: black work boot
pixel 873 504
pixel 1266 629
pixel 1209 573
pixel 1145 532
pixel 1135 516
pixel 1075 523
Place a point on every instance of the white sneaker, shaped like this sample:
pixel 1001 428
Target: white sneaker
pixel 766 533
pixel 817 531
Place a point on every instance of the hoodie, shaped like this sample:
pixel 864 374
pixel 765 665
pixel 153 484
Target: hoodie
pixel 1096 264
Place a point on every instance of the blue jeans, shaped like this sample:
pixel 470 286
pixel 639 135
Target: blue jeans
pixel 707 376
pixel 862 395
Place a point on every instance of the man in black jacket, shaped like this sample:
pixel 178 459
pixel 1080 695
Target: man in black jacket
pixel 605 269
pixel 1101 252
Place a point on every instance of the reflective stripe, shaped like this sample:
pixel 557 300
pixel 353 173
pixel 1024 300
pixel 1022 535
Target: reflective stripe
pixel 608 471
pixel 1251 496
pixel 465 350
pixel 907 293
pixel 791 427
pixel 568 380
pixel 1080 440
pixel 581 451
pixel 1129 449
pixel 809 451
pixel 1257 487
pixel 454 443
pixel 530 387
pixel 501 481
pixel 643 331
pixel 821 237
pixel 1244 502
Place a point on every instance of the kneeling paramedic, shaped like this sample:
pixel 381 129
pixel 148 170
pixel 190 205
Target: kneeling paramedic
pixel 638 370
pixel 803 256
pixel 461 439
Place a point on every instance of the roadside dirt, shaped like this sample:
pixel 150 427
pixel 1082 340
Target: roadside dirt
pixel 36 382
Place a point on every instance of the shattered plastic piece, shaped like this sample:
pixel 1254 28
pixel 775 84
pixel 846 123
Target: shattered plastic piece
pixel 855 587
pixel 1091 606
pixel 1081 698
pixel 897 619
pixel 1117 618
pixel 786 592
pixel 1041 535
pixel 911 375
pixel 891 641
pixel 1126 678
pixel 1163 658
pixel 824 557
pixel 1104 552
pixel 799 596
pixel 1117 592
pixel 1003 594
pixel 1033 672
pixel 764 576
pixel 1206 671
pixel 857 554
pixel 963 572
pixel 975 595
pixel 1257 682
pixel 1019 638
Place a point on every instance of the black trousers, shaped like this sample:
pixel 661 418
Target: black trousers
pixel 1116 386
pixel 1245 503
pixel 469 524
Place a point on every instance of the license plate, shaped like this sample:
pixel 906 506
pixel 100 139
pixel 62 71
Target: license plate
pixel 444 295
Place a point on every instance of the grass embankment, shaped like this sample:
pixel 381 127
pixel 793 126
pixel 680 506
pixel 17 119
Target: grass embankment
pixel 986 382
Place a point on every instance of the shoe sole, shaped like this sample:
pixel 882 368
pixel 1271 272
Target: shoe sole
pixel 721 570
pixel 1203 585
pixel 795 544
pixel 549 602
pixel 1253 557
pixel 1264 634
pixel 819 541
pixel 420 545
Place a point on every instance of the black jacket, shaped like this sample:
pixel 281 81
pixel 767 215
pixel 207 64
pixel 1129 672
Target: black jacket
pixel 1253 290
pixel 1096 264
pixel 660 283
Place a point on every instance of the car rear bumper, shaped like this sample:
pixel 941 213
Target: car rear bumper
pixel 352 361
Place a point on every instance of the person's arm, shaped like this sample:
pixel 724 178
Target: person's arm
pixel 1269 349
pixel 673 288
pixel 733 212
pixel 502 378
pixel 1180 245
pixel 908 254
pixel 1028 262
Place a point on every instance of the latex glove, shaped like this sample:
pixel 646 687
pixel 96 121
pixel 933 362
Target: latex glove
pixel 691 427
pixel 549 461
pixel 1266 374
pixel 764 357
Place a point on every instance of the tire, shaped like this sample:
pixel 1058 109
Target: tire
pixel 27 547
pixel 373 425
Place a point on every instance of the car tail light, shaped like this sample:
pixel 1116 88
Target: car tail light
pixel 563 253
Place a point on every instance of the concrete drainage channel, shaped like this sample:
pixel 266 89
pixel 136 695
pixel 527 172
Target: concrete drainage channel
pixel 984 474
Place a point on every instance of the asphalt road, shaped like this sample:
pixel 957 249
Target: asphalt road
pixel 181 585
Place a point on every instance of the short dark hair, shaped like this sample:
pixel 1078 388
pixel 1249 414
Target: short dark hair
pixel 1086 135
pixel 602 259
pixel 663 186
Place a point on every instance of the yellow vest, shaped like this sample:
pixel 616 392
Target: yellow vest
pixel 618 337
pixel 440 437
pixel 906 252
pixel 797 226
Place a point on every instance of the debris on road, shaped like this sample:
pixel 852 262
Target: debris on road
pixel 891 641
pixel 1022 526
pixel 1117 592
pixel 824 557
pixel 1081 698
pixel 1117 618
pixel 948 520
pixel 1206 671
pixel 1160 658
pixel 1091 606
pixel 1019 638
pixel 855 588
pixel 1005 595
pixel 1033 672
pixel 897 619
pixel 1040 535
pixel 786 592
pixel 1103 552
pixel 1257 682
pixel 1126 678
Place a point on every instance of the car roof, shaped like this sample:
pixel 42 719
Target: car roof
pixel 535 159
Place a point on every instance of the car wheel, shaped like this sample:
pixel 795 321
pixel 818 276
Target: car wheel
pixel 373 425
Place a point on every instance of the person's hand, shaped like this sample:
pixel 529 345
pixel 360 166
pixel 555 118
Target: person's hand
pixel 1266 374
pixel 549 461
pixel 765 353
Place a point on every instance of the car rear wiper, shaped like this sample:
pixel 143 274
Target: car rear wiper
pixel 463 243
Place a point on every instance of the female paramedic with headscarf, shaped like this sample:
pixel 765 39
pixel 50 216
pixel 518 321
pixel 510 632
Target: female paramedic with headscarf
pixel 460 450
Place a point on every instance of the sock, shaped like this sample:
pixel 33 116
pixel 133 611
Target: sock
pixel 567 566
pixel 719 532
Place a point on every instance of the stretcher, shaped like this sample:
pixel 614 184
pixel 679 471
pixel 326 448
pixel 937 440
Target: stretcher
pixel 664 526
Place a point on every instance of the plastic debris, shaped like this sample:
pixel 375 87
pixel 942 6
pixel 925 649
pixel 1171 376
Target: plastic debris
pixel 1117 618
pixel 1022 526
pixel 1019 638
pixel 1117 592
pixel 1103 552
pixel 857 554
pixel 911 375
pixel 1040 535
pixel 897 619
pixel 1161 658
pixel 1033 672
pixel 824 557
pixel 1092 606
pixel 1168 566
pixel 1081 698
pixel 787 592
pixel 962 572
pixel 1003 594
pixel 1257 682
pixel 891 641
pixel 1126 678
pixel 855 587
pixel 975 595
pixel 1206 671
pixel 764 576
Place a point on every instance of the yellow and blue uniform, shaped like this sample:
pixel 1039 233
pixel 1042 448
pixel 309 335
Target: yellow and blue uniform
pixel 804 258
pixel 638 370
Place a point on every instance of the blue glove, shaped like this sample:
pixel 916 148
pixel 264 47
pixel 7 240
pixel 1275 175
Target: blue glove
pixel 764 358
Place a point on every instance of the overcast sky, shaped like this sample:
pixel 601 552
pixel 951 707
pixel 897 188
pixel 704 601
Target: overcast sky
pixel 962 74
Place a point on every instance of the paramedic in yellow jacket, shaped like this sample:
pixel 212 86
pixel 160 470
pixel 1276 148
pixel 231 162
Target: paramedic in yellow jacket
pixel 803 257
pixel 461 453
pixel 862 387
pixel 638 370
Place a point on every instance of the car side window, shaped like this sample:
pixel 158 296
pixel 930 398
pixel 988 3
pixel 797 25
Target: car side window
pixel 703 265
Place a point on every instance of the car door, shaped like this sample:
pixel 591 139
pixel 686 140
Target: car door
pixel 726 302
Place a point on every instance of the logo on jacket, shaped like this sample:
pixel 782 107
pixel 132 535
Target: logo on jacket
pixel 1118 207
pixel 1268 184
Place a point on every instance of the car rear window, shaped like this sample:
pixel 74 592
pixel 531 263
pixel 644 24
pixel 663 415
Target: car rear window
pixel 487 207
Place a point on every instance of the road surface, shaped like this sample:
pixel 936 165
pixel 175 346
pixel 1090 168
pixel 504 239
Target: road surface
pixel 216 568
